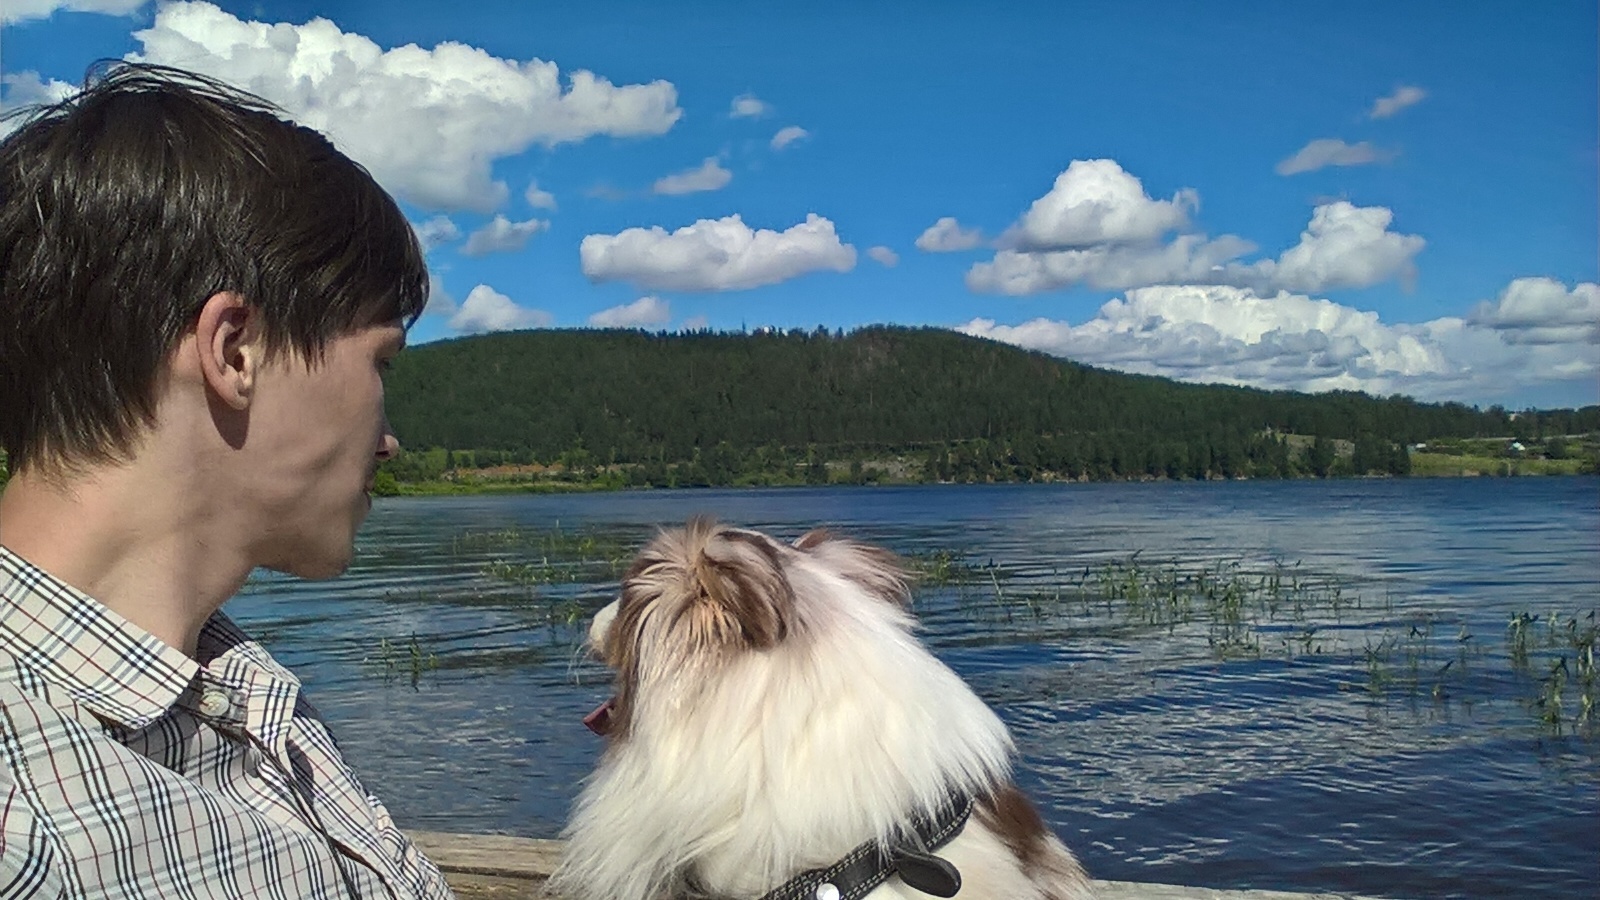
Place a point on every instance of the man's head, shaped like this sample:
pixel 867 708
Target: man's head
pixel 126 208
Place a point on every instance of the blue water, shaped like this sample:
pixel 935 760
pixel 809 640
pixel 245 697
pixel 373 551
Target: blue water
pixel 1379 741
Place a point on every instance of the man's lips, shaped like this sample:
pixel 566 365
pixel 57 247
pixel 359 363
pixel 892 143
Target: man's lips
pixel 599 721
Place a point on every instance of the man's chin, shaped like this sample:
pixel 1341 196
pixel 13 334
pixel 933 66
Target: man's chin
pixel 312 567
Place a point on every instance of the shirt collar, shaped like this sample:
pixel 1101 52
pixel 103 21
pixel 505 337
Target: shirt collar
pixel 116 670
pixel 223 644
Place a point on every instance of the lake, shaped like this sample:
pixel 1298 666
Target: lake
pixel 1372 686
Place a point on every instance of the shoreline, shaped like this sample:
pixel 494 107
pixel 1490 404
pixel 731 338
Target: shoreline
pixel 470 485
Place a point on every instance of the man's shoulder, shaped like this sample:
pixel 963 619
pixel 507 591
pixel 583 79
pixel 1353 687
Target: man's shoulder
pixel 29 697
pixel 39 719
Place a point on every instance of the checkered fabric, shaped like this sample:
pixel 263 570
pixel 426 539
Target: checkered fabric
pixel 128 769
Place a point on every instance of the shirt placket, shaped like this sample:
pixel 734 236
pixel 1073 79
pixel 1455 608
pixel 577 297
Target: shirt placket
pixel 260 705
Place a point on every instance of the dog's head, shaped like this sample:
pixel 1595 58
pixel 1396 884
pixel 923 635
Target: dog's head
pixel 707 594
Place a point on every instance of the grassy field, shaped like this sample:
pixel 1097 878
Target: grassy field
pixel 1445 464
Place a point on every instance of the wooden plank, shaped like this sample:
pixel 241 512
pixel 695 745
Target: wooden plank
pixel 505 867
pixel 500 855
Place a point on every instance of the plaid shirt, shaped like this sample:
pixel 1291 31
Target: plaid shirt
pixel 128 769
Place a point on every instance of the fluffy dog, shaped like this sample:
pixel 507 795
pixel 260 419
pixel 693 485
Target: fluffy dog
pixel 774 717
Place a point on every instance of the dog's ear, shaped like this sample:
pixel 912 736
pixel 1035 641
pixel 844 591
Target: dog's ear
pixel 876 570
pixel 739 593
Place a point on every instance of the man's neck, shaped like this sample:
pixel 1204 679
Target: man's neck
pixel 123 535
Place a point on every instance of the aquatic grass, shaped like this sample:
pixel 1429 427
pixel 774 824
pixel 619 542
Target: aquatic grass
pixel 1372 640
pixel 938 568
pixel 403 658
pixel 541 557
pixel 554 546
pixel 1233 610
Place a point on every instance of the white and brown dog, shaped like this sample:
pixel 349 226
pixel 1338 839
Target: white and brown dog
pixel 778 732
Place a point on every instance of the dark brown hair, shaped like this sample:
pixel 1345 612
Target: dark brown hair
pixel 125 207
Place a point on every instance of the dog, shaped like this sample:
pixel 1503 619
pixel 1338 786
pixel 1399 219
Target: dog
pixel 779 732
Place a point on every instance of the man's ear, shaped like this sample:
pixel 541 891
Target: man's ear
pixel 231 348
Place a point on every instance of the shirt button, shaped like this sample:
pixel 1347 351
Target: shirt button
pixel 215 704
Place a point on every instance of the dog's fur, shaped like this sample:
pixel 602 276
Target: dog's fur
pixel 773 711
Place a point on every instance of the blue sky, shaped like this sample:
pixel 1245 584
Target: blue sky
pixel 1390 197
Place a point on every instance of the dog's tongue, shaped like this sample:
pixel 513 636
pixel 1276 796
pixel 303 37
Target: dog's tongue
pixel 599 721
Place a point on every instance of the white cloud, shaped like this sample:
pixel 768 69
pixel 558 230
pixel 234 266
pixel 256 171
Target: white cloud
pixel 748 106
pixel 539 199
pixel 884 256
pixel 1405 96
pixel 695 323
pixel 947 236
pixel 429 124
pixel 28 89
pixel 436 232
pixel 502 235
pixel 715 255
pixel 641 313
pixel 23 10
pixel 1095 202
pixel 1231 335
pixel 1542 311
pixel 787 136
pixel 440 302
pixel 710 176
pixel 1344 246
pixel 1187 259
pixel 1324 152
pixel 486 309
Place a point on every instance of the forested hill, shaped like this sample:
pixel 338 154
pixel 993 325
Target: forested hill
pixel 631 396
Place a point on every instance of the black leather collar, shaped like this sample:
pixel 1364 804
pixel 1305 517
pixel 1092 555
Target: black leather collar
pixel 909 855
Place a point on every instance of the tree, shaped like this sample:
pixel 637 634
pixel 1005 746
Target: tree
pixel 1322 457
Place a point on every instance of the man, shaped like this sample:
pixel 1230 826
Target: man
pixel 197 300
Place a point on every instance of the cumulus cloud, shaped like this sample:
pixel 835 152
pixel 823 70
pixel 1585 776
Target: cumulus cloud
pixel 537 198
pixel 1231 335
pixel 644 312
pixel 1407 95
pixel 1095 202
pixel 15 11
pixel 436 232
pixel 1542 311
pixel 486 309
pixel 748 106
pixel 884 256
pixel 440 301
pixel 28 89
pixel 429 124
pixel 947 236
pixel 1118 234
pixel 787 136
pixel 710 176
pixel 1324 152
pixel 502 235
pixel 715 255
pixel 1344 246
pixel 1186 259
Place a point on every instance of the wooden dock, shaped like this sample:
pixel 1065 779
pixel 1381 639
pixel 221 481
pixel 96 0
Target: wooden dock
pixel 499 867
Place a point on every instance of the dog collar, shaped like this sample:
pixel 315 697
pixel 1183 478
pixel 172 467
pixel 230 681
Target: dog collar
pixel 908 855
